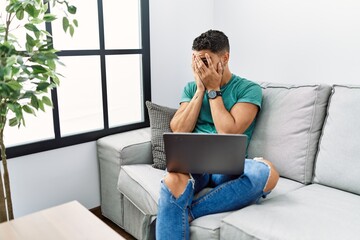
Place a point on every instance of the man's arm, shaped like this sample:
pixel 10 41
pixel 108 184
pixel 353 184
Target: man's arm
pixel 186 116
pixel 237 120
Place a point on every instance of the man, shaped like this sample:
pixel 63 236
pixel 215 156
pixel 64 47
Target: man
pixel 216 102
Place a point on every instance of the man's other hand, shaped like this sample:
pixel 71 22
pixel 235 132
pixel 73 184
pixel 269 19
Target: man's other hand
pixel 210 75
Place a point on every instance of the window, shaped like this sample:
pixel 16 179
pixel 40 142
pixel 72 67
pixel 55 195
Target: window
pixel 106 79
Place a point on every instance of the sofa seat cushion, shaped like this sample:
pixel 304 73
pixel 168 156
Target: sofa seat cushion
pixel 140 183
pixel 283 186
pixel 288 128
pixel 312 212
pixel 208 227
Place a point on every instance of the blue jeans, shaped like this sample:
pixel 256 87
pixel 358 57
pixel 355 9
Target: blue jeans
pixel 229 193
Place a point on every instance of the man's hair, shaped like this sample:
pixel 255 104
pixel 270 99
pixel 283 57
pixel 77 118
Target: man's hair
pixel 213 40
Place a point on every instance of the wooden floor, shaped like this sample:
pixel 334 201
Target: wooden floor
pixel 119 230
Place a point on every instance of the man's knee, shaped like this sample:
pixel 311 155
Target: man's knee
pixel 273 176
pixel 176 182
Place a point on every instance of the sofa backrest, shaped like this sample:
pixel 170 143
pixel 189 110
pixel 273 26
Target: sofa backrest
pixel 338 160
pixel 288 128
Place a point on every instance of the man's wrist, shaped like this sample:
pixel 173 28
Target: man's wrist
pixel 212 89
pixel 212 94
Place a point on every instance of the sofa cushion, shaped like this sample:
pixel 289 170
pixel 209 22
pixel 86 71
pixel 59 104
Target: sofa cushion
pixel 208 227
pixel 283 186
pixel 311 212
pixel 160 118
pixel 288 128
pixel 338 161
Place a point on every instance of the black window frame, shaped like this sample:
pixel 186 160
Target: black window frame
pixel 58 141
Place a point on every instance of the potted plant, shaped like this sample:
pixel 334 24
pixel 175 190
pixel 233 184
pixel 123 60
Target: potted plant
pixel 27 72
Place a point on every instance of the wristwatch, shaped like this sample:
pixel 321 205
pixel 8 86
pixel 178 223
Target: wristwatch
pixel 212 94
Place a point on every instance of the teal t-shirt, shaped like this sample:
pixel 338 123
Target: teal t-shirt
pixel 235 91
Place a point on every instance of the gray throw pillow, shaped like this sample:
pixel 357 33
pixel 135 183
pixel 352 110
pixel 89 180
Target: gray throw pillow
pixel 160 118
pixel 288 127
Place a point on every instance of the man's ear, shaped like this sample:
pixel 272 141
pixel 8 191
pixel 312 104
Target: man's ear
pixel 225 58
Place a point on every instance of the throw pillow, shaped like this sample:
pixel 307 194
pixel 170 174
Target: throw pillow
pixel 160 118
pixel 288 127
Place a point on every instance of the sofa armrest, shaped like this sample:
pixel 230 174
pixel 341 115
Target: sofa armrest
pixel 133 147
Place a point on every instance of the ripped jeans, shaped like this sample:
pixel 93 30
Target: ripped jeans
pixel 230 192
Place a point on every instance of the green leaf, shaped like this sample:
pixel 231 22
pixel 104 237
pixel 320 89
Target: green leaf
pixel 36 20
pixel 38 69
pixel 37 34
pixel 7 73
pixel 30 9
pixel 14 85
pixel 71 28
pixel 41 106
pixel 15 71
pixel 65 23
pixel 34 102
pixel 28 109
pixel 13 122
pixel 10 61
pixel 27 94
pixel 71 9
pixel 28 47
pixel 13 6
pixel 56 80
pixel 21 79
pixel 42 86
pixel 12 107
pixel 20 60
pixel 76 23
pixel 31 27
pixel 51 64
pixel 30 40
pixel 47 101
pixel 20 14
pixel 49 17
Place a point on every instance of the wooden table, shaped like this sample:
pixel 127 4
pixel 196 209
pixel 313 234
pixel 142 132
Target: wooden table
pixel 68 221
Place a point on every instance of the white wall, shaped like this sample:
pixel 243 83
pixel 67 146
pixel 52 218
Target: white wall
pixel 46 179
pixel 173 26
pixel 293 41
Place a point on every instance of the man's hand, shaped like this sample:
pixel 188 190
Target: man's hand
pixel 199 84
pixel 210 75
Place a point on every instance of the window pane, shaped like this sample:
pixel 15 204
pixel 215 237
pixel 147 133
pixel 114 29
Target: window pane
pixel 38 128
pixel 124 89
pixel 122 24
pixel 86 35
pixel 80 95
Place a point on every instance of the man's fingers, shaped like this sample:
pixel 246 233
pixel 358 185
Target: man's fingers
pixel 220 69
pixel 208 59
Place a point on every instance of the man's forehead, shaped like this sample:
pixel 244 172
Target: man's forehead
pixel 201 53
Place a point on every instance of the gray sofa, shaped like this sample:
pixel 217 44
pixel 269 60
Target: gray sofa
pixel 310 132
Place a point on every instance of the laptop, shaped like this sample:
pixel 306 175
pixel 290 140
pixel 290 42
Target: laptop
pixel 205 153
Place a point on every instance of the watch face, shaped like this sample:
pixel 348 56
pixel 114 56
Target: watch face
pixel 212 94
